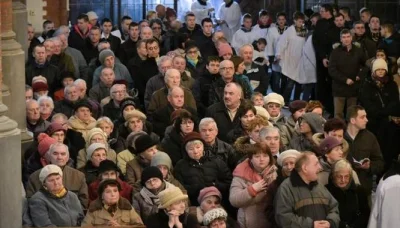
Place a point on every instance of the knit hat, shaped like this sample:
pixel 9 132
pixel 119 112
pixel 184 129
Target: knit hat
pixel 261 111
pixel 224 49
pixel 170 196
pixel 82 103
pixel 134 113
pixel 161 158
pixel 175 114
pixel 211 215
pixel 92 15
pixel 104 183
pixel 54 127
pixel 287 154
pixel 126 102
pixel 94 131
pixel 170 12
pixel 130 140
pixel 274 98
pixel 104 54
pixel 92 148
pixel 328 144
pixel 191 137
pixel 48 170
pixel 379 64
pixel 296 105
pixel 39 83
pixel 143 143
pixel 150 172
pixel 208 191
pixel 315 121
pixel 45 141
pixel 107 165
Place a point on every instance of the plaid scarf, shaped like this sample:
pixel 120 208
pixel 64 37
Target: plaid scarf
pixel 302 31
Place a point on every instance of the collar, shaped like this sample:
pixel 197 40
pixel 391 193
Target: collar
pixel 245 29
pixel 297 181
pixel 104 36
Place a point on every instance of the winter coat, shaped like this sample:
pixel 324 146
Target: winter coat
pixel 388 137
pixel 99 92
pixel 124 157
pixel 365 145
pixel 73 180
pixel 258 78
pixel 63 62
pixel 120 71
pixel 251 207
pixel 353 205
pixel 345 65
pixel 115 43
pixel 127 51
pixel 91 172
pixel 391 45
pixel 40 126
pixel 190 33
pixel 201 90
pixel 377 101
pixel 206 45
pixel 125 215
pixel 48 210
pixel 76 39
pixel 126 190
pixel 220 114
pixel 78 125
pixel 288 131
pixel 235 133
pixel 326 172
pixel 308 64
pixel 199 69
pixel 81 67
pixel 296 204
pixel 319 137
pixel 47 70
pixel 134 169
pixel 196 175
pixel 111 110
pixel 160 220
pixel 322 43
pixel 301 143
pixel 89 51
pixel 216 91
pixel 223 151
pixel 65 107
pixel 240 146
pixel 123 133
pixel 367 45
pixel 172 145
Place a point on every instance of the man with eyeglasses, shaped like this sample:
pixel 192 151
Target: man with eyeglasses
pixel 157 26
pixel 361 37
pixel 117 93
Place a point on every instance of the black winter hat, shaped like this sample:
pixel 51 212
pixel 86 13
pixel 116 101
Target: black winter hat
pixel 126 102
pixel 83 103
pixel 150 172
pixel 107 165
pixel 105 183
pixel 143 143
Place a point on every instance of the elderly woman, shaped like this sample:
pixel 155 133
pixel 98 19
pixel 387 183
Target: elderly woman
pixel 218 218
pixel 353 202
pixel 172 142
pixel 117 94
pixel 274 102
pixel 110 209
pixel 172 214
pixel 46 107
pixel 146 201
pixel 95 135
pixel 249 188
pixel 96 153
pixel 82 120
pixel 196 170
pixel 54 205
pixel 163 162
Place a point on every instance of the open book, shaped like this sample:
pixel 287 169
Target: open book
pixel 360 162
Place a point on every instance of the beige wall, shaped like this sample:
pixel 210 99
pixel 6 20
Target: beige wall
pixel 36 13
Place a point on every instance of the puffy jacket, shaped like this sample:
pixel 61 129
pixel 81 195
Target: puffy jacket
pixel 172 145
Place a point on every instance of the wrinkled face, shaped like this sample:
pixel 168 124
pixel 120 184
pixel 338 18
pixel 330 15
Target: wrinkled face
pixel 107 27
pixel 190 22
pixel 272 140
pixel 110 195
pixel 106 127
pixel 67 81
pixel 40 55
pixel 95 35
pixel 209 203
pixel 125 25
pixel 109 62
pixel 361 120
pixel 227 70
pixel 110 174
pixel 135 124
pixel 33 112
pixel 193 53
pixel 247 54
pixel 177 98
pixel 59 136
pixel 342 178
pixel 107 76
pixel 335 154
pixel 195 150
pixel 338 134
pixel 207 28
pixel 54 183
pixel 339 22
pixel 374 24
pixel 273 109
pixel 305 127
pixel 173 79
pixel 164 170
pixel 255 134
pixel 156 29
pixel 98 156
pixel 260 161
pixel 83 113
pixel 346 39
pixel 97 138
pixel 134 32
pixel 46 107
pixel 82 24
pixel 153 50
pixel 149 153
pixel 288 165
pixel 153 183
pixel 312 168
pixel 281 21
pixel 208 133
pixel 359 29
pixel 232 95
pixel 258 101
pixel 247 23
pixel 299 113
pixel 380 73
pixel 31 33
pixel 187 126
pixel 28 94
pixel 247 117
pixel 142 50
pixel 59 157
pixel 164 66
pixel 64 40
pixel 213 67
pixel 365 17
pixel 318 111
pixel 72 94
pixel 146 33
pixel 179 64
pixel 119 93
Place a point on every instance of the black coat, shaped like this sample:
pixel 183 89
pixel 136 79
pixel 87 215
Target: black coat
pixel 388 138
pixel 199 69
pixel 89 51
pixel 220 114
pixel 216 92
pixel 111 111
pixel 257 73
pixel 200 90
pixel 64 106
pixel 76 39
pixel 206 45
pixel 161 218
pixel 322 43
pixel 114 41
pixel 127 51
pixel 235 133
pixel 91 172
pixel 391 45
pixel 172 145
pixel 353 205
pixel 49 71
pixel 378 101
pixel 367 45
pixel 195 176
pixel 343 65
pixel 191 33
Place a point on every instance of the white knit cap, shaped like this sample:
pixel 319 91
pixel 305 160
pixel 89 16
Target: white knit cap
pixel 211 215
pixel 92 15
pixel 39 78
pixel 92 148
pixel 287 154
pixel 379 64
pixel 48 170
pixel 274 98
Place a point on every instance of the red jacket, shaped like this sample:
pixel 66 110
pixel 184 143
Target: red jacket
pixel 126 190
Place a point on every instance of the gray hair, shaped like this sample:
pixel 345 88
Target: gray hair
pixel 244 46
pixel 29 102
pixel 268 130
pixel 164 59
pixel 171 90
pixel 55 39
pixel 168 73
pixel 67 88
pixel 46 98
pixel 78 82
pixel 112 89
pixel 59 115
pixel 28 87
pixel 207 121
pixel 194 142
pixel 61 30
pixel 104 119
pixel 52 148
pixel 237 86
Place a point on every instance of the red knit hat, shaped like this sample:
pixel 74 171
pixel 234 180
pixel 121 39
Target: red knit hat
pixel 208 191
pixel 39 83
pixel 45 141
pixel 224 49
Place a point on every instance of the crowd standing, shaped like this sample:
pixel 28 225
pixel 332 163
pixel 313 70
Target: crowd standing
pixel 217 121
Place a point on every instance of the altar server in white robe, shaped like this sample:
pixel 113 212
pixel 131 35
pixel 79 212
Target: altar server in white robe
pixel 228 18
pixel 245 34
pixel 263 26
pixel 201 9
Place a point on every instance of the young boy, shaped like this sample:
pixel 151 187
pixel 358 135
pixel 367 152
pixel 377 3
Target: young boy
pixel 245 34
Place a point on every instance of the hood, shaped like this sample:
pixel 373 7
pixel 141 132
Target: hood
pixel 78 124
pixel 76 29
pixel 315 121
pixel 241 144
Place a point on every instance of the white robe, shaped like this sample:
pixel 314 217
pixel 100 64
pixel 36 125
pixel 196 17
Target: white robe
pixel 241 38
pixel 232 16
pixel 290 48
pixel 308 64
pixel 200 11
pixel 261 32
pixel 272 40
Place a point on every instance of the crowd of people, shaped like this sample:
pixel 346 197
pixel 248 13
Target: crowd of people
pixel 219 121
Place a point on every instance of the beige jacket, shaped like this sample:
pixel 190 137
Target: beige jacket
pixel 81 158
pixel 80 126
pixel 123 158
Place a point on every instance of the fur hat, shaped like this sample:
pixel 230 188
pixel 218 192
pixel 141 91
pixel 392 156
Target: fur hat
pixel 130 140
pixel 150 172
pixel 104 54
pixel 107 165
pixel 45 141
pixel 92 148
pixel 126 102
pixel 315 121
pixel 224 49
pixel 170 196
pixel 134 113
pixel 208 191
pixel 48 170
pixel 95 131
pixel 54 127
pixel 274 98
pixel 261 111
pixel 328 144
pixel 287 154
pixel 143 143
pixel 379 64
pixel 191 137
pixel 83 103
pixel 161 158
pixel 92 15
pixel 104 183
pixel 216 213
pixel 296 105
pixel 39 83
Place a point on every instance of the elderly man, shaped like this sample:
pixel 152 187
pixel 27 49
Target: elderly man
pixel 226 113
pixel 179 63
pixel 159 98
pixel 73 179
pixel 66 106
pixel 296 202
pixel 82 90
pixel 49 46
pixel 227 72
pixel 256 73
pixel 117 93
pixel 102 90
pixel 28 93
pixel 41 66
pixel 270 136
pixel 107 59
pixel 161 118
pixel 146 33
pixel 34 122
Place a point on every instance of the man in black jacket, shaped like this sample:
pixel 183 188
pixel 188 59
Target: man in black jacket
pixel 90 49
pixel 128 49
pixel 367 45
pixel 204 39
pixel 115 42
pixel 390 42
pixel 190 27
pixel 79 33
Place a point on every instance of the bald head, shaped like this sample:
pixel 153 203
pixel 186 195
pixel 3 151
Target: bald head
pixel 176 97
pixel 227 70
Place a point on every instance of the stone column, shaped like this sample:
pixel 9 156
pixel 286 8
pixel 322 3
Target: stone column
pixel 10 144
pixel 13 70
pixel 20 20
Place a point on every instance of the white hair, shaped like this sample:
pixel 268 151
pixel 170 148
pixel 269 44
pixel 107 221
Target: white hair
pixel 80 82
pixel 192 143
pixel 104 119
pixel 59 115
pixel 52 148
pixel 68 87
pixel 207 121
pixel 46 98
pixel 164 59
pixel 265 131
pixel 31 101
pixel 168 73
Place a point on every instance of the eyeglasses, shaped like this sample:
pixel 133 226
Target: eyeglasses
pixel 188 122
pixel 226 68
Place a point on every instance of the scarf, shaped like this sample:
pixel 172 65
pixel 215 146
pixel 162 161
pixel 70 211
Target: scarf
pixel 380 81
pixel 193 61
pixel 302 31
pixel 201 2
pixel 61 193
pixel 111 209
pixel 151 196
